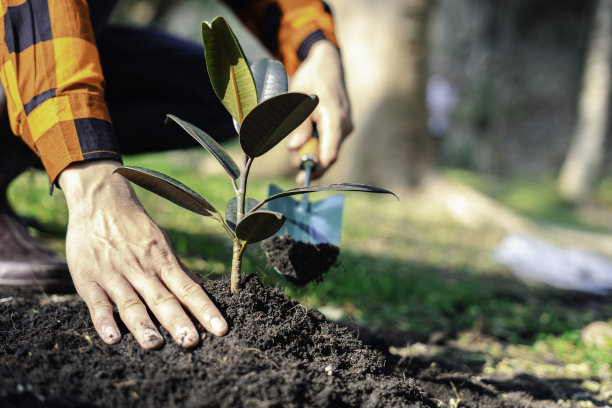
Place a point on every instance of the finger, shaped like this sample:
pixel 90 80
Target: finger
pixel 101 312
pixel 328 148
pixel 193 297
pixel 134 314
pixel 330 136
pixel 297 138
pixel 197 279
pixel 167 309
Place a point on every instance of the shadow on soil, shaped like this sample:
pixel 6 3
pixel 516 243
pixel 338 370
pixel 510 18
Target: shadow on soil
pixel 428 300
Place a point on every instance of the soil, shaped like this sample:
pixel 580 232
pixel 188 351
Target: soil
pixel 300 262
pixel 276 354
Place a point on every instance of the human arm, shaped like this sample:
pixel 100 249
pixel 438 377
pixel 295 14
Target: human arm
pixel 300 33
pixel 321 74
pixel 115 253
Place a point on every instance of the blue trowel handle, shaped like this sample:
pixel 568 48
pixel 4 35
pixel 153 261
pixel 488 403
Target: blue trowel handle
pixel 309 156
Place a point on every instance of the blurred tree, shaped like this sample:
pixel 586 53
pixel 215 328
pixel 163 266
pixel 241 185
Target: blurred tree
pixel 518 65
pixel 584 159
pixel 384 46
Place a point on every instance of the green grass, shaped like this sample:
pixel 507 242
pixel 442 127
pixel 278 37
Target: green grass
pixel 401 268
pixel 538 198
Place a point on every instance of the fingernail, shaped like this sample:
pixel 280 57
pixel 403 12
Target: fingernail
pixel 187 337
pixel 151 338
pixel 111 333
pixel 218 325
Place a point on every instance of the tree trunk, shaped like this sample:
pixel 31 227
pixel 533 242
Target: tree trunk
pixel 384 47
pixel 584 159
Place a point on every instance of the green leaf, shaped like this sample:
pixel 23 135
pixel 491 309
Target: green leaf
pixel 170 189
pixel 232 207
pixel 228 69
pixel 270 78
pixel 211 145
pixel 330 187
pixel 259 225
pixel 273 119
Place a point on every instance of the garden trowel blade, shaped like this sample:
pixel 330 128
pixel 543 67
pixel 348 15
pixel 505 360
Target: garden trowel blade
pixel 317 222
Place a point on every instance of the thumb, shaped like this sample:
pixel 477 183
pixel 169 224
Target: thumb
pixel 300 135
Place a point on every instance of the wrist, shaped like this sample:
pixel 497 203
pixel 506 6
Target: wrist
pixel 91 185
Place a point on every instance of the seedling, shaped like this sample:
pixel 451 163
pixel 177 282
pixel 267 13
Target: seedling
pixel 264 114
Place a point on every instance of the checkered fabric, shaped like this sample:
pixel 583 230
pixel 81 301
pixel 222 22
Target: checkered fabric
pixel 53 82
pixel 288 28
pixel 51 72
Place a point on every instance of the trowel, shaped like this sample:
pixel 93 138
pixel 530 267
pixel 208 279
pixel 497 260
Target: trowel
pixel 308 243
pixel 318 222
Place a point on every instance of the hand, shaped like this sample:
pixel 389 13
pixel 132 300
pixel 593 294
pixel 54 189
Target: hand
pixel 321 74
pixel 115 252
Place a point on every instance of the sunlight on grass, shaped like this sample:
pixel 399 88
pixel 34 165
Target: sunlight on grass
pixel 539 198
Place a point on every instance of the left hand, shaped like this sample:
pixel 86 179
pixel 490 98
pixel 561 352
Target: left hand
pixel 321 74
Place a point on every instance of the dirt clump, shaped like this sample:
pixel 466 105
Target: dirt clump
pixel 300 262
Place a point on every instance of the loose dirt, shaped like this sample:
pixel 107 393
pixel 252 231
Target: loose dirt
pixel 276 354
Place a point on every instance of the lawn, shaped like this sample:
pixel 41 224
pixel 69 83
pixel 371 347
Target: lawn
pixel 404 268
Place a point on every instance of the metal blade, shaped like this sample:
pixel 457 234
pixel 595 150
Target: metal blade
pixel 316 222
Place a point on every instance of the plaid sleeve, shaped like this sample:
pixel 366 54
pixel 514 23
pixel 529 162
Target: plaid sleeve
pixel 53 81
pixel 288 28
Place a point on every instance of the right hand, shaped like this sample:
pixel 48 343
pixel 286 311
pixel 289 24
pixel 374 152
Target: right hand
pixel 116 253
pixel 322 74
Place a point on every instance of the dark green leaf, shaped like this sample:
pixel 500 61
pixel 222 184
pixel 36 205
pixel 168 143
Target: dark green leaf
pixel 270 78
pixel 169 188
pixel 331 187
pixel 232 207
pixel 259 225
pixel 228 69
pixel 273 119
pixel 211 145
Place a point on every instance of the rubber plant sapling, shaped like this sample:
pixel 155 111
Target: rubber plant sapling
pixel 264 114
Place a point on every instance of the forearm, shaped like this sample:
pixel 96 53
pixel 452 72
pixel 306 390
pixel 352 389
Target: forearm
pixel 322 74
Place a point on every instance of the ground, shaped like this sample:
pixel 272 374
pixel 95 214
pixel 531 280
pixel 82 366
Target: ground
pixel 277 354
pixel 416 305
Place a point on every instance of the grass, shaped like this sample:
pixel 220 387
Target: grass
pixel 401 268
pixel 539 199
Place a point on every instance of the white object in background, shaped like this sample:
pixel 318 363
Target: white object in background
pixel 537 260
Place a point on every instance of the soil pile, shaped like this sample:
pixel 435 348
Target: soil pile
pixel 300 262
pixel 276 354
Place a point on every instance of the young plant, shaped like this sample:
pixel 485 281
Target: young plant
pixel 264 114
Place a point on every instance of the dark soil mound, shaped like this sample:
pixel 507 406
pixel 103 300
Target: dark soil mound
pixel 300 262
pixel 276 354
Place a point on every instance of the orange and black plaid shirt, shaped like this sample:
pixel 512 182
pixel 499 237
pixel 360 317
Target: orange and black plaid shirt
pixel 54 83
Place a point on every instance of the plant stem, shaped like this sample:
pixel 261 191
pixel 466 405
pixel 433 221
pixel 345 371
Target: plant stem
pixel 241 207
pixel 236 265
pixel 239 245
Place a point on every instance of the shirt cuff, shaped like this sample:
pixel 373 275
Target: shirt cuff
pixel 300 29
pixel 71 128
